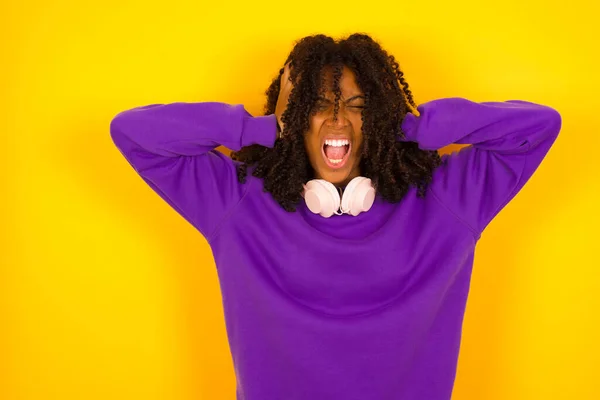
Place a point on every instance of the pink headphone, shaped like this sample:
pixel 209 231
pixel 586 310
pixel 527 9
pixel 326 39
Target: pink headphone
pixel 323 198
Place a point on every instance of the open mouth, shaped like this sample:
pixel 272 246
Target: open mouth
pixel 336 152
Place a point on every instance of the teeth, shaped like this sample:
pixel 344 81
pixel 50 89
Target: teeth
pixel 337 143
pixel 334 161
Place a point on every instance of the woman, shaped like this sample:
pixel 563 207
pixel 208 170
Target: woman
pixel 344 256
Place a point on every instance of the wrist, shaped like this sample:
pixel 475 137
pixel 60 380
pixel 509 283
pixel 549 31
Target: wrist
pixel 256 130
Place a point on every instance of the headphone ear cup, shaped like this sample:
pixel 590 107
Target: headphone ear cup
pixel 358 196
pixel 321 197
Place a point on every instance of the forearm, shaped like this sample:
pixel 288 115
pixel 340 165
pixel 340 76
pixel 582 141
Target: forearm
pixel 188 129
pixel 511 126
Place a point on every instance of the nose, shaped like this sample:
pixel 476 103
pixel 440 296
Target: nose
pixel 338 121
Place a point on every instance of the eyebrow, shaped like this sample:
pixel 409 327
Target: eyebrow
pixel 321 98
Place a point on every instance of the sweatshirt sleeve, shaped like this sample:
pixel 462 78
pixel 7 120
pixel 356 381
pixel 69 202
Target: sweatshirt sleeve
pixel 508 141
pixel 173 148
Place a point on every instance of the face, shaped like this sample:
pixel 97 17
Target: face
pixel 334 146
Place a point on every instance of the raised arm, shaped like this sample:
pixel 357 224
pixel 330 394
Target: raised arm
pixel 172 147
pixel 508 142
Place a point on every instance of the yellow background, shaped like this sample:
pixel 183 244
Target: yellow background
pixel 106 293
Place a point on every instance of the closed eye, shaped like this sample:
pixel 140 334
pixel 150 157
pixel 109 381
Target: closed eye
pixel 356 108
pixel 324 104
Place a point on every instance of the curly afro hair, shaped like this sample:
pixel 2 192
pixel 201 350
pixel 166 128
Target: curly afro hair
pixel 393 166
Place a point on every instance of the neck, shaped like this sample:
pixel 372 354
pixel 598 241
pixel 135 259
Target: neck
pixel 345 182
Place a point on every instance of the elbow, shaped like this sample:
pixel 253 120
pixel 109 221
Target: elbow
pixel 543 127
pixel 116 129
pixel 550 126
pixel 120 129
pixel 122 123
pixel 554 120
pixel 126 122
pixel 544 116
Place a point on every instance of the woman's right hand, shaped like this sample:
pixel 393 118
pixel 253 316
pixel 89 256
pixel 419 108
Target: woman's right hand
pixel 284 95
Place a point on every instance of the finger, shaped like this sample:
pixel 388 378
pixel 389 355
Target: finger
pixel 288 71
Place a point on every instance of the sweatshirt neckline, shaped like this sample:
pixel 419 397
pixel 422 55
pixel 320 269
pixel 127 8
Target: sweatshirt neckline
pixel 343 221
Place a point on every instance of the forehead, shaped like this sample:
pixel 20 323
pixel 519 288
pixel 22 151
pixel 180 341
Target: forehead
pixel 348 85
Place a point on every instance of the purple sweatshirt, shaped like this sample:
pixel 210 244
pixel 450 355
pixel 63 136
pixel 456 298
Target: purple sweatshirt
pixel 351 308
